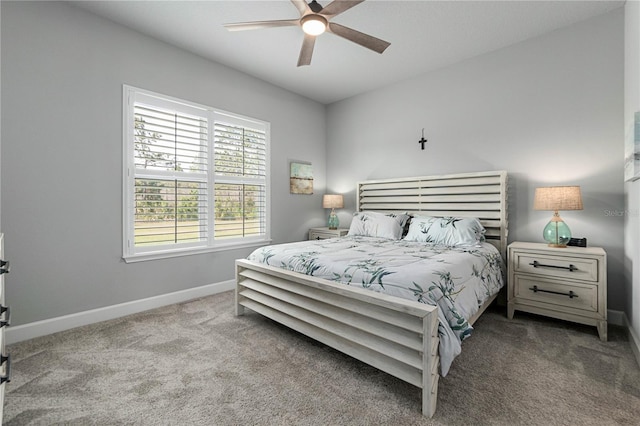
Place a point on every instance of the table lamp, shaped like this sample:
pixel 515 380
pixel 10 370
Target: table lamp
pixel 555 198
pixel 333 201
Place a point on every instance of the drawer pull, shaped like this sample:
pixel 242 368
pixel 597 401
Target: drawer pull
pixel 7 317
pixel 7 376
pixel 535 289
pixel 536 264
pixel 3 269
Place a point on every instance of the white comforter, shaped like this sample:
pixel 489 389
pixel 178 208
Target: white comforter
pixel 456 279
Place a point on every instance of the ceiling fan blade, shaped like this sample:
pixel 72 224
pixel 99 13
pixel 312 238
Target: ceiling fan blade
pixel 256 25
pixel 362 39
pixel 307 50
pixel 336 7
pixel 302 6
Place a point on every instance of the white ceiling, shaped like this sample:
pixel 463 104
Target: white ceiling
pixel 424 35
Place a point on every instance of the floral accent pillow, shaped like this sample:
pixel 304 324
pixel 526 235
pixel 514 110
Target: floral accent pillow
pixel 449 231
pixel 373 224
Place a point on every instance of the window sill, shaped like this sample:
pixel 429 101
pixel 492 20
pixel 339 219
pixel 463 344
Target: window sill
pixel 158 255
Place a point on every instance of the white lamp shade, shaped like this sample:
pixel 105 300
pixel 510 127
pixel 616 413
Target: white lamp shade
pixel 332 201
pixel 556 198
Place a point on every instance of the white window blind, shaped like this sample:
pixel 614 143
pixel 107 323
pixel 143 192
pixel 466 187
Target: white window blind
pixel 196 178
pixel 240 180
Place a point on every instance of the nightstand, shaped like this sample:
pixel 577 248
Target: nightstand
pixel 565 283
pixel 324 233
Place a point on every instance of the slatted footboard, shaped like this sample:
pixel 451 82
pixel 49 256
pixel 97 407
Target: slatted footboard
pixel 397 336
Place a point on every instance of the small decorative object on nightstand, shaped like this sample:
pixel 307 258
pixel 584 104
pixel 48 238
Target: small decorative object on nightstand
pixel 324 233
pixel 333 201
pixel 568 284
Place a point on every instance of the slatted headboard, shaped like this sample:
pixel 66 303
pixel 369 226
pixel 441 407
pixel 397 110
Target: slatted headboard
pixel 482 195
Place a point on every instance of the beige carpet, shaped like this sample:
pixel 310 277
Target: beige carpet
pixel 196 364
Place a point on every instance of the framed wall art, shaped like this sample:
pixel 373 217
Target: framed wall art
pixel 301 178
pixel 632 150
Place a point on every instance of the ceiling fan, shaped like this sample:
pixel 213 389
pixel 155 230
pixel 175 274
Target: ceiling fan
pixel 314 20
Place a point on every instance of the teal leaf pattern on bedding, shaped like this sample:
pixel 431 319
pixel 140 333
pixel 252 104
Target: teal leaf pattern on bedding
pixel 490 272
pixel 442 293
pixel 455 279
pixel 305 262
pixel 450 231
pixel 372 273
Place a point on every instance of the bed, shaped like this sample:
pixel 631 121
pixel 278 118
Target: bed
pixel 395 335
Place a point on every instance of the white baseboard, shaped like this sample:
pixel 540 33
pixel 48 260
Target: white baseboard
pixel 31 330
pixel 616 318
pixel 634 340
pixel 620 318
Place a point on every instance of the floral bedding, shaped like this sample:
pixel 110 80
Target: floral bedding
pixel 456 279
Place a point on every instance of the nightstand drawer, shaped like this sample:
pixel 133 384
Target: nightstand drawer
pixel 317 235
pixel 576 268
pixel 324 233
pixel 550 292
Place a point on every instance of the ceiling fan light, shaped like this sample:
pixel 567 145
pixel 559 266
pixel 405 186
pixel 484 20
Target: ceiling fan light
pixel 314 24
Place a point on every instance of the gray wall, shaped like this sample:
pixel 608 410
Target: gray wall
pixel 62 76
pixel 632 189
pixel 548 110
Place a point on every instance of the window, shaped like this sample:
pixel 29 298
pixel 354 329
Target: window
pixel 195 178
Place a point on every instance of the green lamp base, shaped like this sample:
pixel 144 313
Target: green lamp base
pixel 333 220
pixel 556 233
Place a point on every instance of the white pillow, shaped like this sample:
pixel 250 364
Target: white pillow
pixel 402 218
pixel 449 231
pixel 373 224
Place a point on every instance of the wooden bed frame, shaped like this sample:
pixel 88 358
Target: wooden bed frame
pixel 394 335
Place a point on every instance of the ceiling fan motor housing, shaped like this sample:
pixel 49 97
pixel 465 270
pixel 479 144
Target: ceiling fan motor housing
pixel 315 6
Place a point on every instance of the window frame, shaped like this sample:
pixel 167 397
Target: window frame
pixel 131 253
